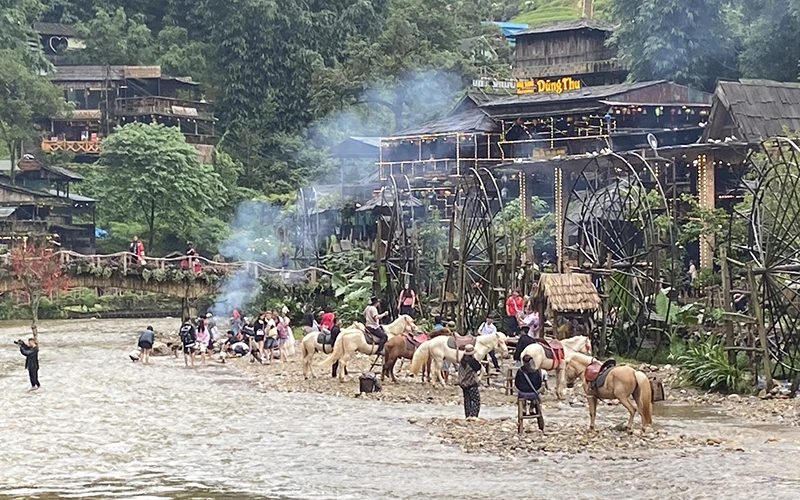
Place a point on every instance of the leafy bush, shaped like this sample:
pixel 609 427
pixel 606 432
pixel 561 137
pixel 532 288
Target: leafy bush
pixel 705 364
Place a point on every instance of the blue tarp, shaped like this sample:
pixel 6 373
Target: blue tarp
pixel 100 233
pixel 511 29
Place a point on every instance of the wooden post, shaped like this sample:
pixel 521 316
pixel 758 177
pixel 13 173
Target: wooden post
pixel 762 331
pixel 706 192
pixel 726 303
pixel 559 211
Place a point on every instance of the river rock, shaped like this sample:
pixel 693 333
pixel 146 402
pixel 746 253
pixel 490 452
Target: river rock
pixel 161 349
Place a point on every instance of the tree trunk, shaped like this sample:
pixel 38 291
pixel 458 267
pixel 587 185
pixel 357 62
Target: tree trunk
pixel 151 222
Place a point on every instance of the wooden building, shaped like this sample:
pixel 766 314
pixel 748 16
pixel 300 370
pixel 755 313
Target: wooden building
pixel 38 204
pixel 576 49
pixel 57 41
pixel 104 97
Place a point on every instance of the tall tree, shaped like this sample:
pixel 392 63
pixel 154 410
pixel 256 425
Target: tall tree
pixel 24 95
pixel 112 37
pixel 671 39
pixel 25 98
pixel 36 273
pixel 415 57
pixel 152 175
pixel 770 38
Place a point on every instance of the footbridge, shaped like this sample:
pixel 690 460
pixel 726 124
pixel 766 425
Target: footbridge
pixel 187 277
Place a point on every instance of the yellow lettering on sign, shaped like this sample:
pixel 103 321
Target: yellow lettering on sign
pixel 525 87
pixel 555 86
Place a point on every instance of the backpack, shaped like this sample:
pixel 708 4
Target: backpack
pixel 283 331
pixel 187 334
pixel 368 383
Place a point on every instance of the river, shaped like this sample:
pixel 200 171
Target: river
pixel 104 427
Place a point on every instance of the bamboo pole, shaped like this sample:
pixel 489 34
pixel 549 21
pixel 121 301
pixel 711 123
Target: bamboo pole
pixel 726 303
pixel 762 332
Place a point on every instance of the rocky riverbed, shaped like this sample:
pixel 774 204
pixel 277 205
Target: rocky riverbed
pixel 499 436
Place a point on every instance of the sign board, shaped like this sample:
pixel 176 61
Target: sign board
pixel 556 86
pixel 530 85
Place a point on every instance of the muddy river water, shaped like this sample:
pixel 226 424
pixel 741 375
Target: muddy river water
pixel 104 427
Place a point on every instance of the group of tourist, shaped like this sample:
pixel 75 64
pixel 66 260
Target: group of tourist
pixel 189 262
pixel 270 331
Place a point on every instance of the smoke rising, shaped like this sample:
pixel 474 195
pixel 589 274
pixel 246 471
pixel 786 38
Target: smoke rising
pixel 256 236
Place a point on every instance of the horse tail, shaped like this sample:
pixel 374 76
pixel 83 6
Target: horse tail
pixel 336 354
pixel 420 358
pixel 644 397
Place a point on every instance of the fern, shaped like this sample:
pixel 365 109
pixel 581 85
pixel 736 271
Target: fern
pixel 705 364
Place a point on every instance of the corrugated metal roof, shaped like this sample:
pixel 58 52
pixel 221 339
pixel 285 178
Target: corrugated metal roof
pixel 579 24
pixel 72 196
pixel 585 93
pixel 760 108
pixel 6 212
pixel 56 29
pixel 69 174
pixel 470 120
pixel 87 73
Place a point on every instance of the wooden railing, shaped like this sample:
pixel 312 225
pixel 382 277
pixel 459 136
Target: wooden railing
pixel 127 260
pixel 73 146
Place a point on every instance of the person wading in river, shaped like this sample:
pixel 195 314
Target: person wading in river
pixel 203 338
pixel 468 371
pixel 188 339
pixel 31 353
pixel 373 322
pixel 146 340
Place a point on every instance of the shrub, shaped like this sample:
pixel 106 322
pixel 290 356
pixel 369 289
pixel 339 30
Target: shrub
pixel 704 363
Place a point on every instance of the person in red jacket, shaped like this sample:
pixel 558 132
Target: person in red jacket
pixel 327 319
pixel 514 306
pixel 137 249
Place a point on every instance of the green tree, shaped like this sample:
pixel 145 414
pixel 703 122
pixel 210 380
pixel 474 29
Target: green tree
pixel 152 175
pixel 671 39
pixel 395 69
pixel 25 98
pixel 769 31
pixel 112 37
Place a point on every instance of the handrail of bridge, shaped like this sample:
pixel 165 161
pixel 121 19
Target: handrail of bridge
pixel 67 256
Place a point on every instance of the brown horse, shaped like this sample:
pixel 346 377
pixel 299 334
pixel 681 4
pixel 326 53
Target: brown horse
pixel 397 348
pixel 621 383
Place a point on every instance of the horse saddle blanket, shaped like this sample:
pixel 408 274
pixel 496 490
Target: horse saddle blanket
pixel 324 338
pixel 460 342
pixel 370 338
pixel 412 342
pixel 596 373
pixel 552 348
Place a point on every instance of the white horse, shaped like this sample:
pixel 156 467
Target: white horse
pixel 352 342
pixel 571 345
pixel 437 350
pixel 310 346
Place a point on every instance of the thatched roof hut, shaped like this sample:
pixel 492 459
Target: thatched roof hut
pixel 566 293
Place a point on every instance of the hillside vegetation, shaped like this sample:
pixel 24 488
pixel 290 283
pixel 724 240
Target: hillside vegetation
pixel 546 11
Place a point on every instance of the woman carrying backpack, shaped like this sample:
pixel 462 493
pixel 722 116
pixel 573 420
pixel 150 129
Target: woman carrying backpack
pixel 468 371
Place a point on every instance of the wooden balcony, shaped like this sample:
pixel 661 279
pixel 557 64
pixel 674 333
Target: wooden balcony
pixel 163 106
pixel 78 147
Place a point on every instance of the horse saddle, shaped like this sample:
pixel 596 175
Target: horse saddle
pixel 552 348
pixel 370 338
pixel 412 342
pixel 460 342
pixel 596 373
pixel 324 338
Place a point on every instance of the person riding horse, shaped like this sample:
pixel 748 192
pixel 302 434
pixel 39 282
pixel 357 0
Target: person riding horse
pixel 373 322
